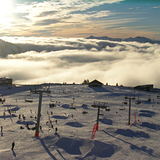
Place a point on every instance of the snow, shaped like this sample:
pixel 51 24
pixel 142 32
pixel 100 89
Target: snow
pixel 74 118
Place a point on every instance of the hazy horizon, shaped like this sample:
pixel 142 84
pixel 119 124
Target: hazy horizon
pixel 42 60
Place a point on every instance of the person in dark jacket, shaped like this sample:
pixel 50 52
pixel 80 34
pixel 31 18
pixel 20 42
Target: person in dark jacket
pixel 13 145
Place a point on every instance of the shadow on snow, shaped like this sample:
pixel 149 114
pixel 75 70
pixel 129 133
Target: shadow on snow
pixel 74 124
pixel 59 117
pixel 147 113
pixel 131 133
pixel 106 121
pixel 151 126
pixel 144 149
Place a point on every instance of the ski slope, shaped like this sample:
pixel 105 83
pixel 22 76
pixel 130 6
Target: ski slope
pixel 74 118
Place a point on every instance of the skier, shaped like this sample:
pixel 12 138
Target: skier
pixel 27 126
pixel 56 130
pixel 40 127
pixel 4 115
pixel 19 116
pixel 23 116
pixel 13 145
pixel 1 130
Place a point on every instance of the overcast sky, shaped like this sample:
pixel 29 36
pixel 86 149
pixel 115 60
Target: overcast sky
pixel 80 18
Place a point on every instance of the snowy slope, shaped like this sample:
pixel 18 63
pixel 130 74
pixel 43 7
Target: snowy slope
pixel 114 140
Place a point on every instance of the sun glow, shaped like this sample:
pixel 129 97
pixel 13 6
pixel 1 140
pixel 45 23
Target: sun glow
pixel 6 12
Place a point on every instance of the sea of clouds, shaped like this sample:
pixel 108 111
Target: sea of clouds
pixel 40 60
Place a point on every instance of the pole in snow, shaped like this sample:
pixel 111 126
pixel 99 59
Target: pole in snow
pixel 38 115
pixel 98 117
pixel 40 92
pixel 129 110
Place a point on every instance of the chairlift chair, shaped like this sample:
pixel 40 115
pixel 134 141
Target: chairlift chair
pixel 51 105
pixel 29 99
pixel 138 102
pixel 122 107
pixel 51 100
pixel 107 108
pixel 125 103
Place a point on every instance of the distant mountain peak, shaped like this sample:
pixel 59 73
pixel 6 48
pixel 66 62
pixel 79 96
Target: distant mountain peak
pixel 130 39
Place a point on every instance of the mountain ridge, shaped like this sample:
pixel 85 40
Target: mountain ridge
pixel 130 39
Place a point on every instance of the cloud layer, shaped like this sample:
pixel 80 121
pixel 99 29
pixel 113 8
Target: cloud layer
pixel 38 60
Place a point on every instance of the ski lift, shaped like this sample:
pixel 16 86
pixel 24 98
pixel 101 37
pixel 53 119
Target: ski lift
pixel 107 108
pixel 2 100
pixel 138 102
pixel 29 99
pixel 122 107
pixel 125 103
pixel 51 100
pixel 158 96
pixel 52 105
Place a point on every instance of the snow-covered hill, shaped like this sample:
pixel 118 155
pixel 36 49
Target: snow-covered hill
pixel 74 118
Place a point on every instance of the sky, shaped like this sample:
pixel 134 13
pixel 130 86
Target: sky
pixel 80 18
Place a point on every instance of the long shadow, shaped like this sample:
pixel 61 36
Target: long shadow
pixel 8 116
pixel 151 126
pixel 147 113
pixel 14 153
pixel 14 109
pixel 75 124
pixel 46 149
pixel 131 133
pixel 60 154
pixel 59 117
pixel 26 122
pixel 106 121
pixel 144 149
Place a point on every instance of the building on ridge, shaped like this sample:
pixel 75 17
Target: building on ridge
pixel 95 83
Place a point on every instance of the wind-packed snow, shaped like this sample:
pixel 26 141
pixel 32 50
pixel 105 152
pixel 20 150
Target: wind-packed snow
pixel 71 112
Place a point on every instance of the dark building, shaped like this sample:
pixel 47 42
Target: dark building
pixel 5 81
pixel 95 83
pixel 147 87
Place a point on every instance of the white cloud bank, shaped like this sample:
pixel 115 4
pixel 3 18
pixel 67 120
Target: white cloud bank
pixel 73 60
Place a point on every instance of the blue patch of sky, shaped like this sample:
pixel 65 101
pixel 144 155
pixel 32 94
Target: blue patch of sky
pixel 142 12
